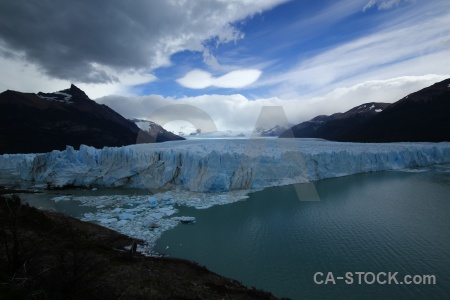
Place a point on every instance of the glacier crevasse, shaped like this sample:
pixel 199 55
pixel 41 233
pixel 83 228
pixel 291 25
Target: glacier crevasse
pixel 219 165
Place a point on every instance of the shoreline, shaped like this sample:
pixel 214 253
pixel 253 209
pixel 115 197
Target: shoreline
pixel 146 217
pixel 106 268
pixel 102 226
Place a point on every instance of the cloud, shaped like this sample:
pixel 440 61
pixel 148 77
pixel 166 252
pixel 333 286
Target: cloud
pixel 21 76
pixel 411 44
pixel 82 40
pixel 384 4
pixel 236 112
pixel 210 60
pixel 329 15
pixel 198 79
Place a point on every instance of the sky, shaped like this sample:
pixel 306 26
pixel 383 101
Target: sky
pixel 228 58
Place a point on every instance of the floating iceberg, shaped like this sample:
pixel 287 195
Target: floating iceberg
pixel 147 222
pixel 219 165
pixel 185 220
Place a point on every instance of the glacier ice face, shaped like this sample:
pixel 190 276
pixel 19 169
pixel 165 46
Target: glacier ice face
pixel 13 161
pixel 219 165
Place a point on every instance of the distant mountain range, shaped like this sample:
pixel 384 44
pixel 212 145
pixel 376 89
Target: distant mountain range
pixel 334 126
pixel 49 121
pixel 274 131
pixel 44 122
pixel 156 130
pixel 422 116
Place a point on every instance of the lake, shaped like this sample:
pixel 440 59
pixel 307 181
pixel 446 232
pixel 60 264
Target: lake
pixel 392 221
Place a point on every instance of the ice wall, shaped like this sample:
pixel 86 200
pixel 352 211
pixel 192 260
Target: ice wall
pixel 220 165
pixel 12 161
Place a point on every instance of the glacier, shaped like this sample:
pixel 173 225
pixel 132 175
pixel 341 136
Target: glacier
pixel 218 165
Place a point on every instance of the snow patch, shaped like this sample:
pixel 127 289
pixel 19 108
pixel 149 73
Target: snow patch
pixel 57 96
pixel 67 97
pixel 145 125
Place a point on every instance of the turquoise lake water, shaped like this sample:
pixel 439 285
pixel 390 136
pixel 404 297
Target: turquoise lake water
pixel 392 221
pixel 389 221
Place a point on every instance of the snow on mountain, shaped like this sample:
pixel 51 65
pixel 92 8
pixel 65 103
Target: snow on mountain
pixel 259 132
pixel 144 124
pixel 186 130
pixel 60 96
pixel 65 96
pixel 274 131
pixel 367 108
pixel 220 165
pixel 156 130
pixel 43 122
pixel 418 117
pixel 332 127
pixel 221 134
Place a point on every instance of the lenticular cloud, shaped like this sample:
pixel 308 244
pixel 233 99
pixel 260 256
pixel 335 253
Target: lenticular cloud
pixel 199 79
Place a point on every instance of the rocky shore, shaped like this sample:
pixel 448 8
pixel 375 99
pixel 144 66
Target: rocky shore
pixel 47 255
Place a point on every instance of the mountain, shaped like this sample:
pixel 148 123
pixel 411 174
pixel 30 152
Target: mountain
pixel 156 130
pixel 333 127
pixel 49 121
pixel 422 116
pixel 220 134
pixel 274 131
pixel 306 129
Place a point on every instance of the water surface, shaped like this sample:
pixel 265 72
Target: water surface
pixel 375 222
pixel 393 221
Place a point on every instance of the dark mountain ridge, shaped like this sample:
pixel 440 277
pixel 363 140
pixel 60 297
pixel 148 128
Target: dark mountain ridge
pixel 156 130
pixel 34 123
pixel 422 116
pixel 332 127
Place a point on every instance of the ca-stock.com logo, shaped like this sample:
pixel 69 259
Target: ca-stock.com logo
pixel 250 164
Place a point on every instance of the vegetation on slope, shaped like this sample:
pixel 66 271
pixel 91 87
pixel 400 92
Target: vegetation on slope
pixel 46 255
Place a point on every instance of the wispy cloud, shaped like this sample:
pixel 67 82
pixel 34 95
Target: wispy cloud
pixel 331 14
pixel 310 26
pixel 384 4
pixel 388 52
